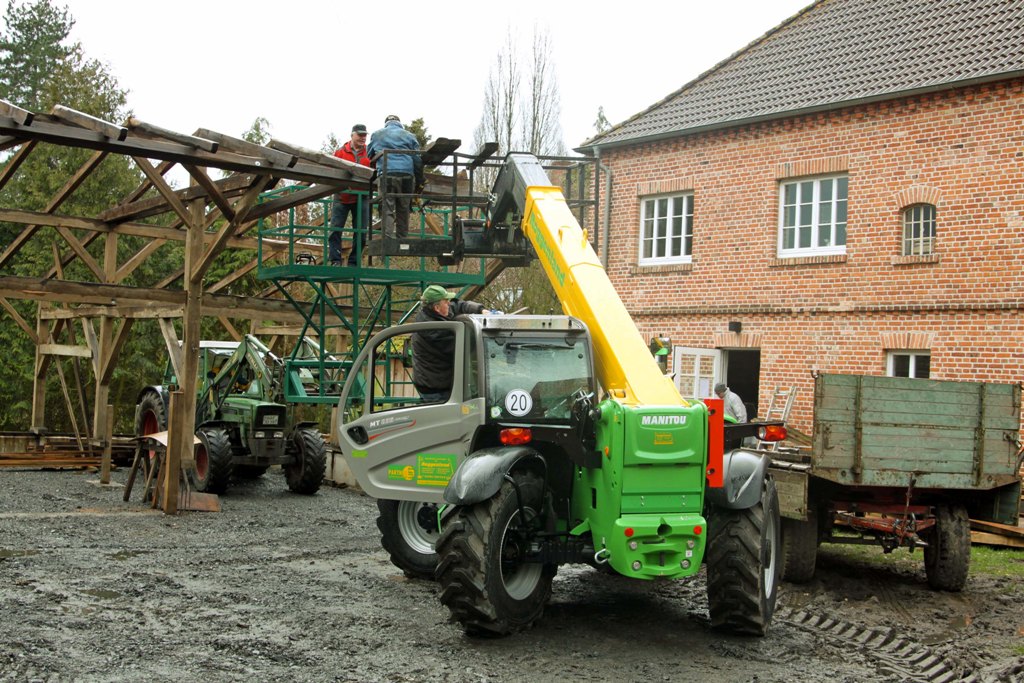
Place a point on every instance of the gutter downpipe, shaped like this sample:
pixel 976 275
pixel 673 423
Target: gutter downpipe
pixel 606 218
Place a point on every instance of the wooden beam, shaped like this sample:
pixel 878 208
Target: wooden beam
pixel 285 202
pixel 231 186
pixel 190 140
pixel 65 350
pixel 16 317
pixel 104 128
pixel 111 297
pixel 483 154
pixel 173 344
pixel 134 229
pixel 72 136
pixel 84 255
pixel 203 180
pixel 240 146
pixel 23 116
pixel 7 172
pixel 357 170
pixel 110 362
pixel 237 275
pixel 242 210
pixel 230 328
pixel 69 187
pixel 137 260
pixel 163 188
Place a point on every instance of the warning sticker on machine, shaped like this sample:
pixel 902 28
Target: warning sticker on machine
pixel 434 470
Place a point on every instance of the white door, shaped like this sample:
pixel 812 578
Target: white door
pixel 696 370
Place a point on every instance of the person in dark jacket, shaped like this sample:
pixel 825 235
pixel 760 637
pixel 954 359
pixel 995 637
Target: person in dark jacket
pixel 433 351
pixel 401 174
pixel 346 204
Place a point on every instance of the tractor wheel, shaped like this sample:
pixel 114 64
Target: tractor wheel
pixel 213 468
pixel 947 557
pixel 743 564
pixel 150 418
pixel 485 583
pixel 799 549
pixel 307 472
pixel 404 534
pixel 250 471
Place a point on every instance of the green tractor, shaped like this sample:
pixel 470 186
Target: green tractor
pixel 242 423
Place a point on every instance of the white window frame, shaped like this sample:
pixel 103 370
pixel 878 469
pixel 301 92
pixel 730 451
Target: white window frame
pixel 816 206
pixel 658 234
pixel 916 219
pixel 914 354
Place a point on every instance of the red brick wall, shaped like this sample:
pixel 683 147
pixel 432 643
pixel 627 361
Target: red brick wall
pixel 963 150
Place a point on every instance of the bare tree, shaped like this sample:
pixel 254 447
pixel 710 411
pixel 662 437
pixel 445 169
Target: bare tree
pixel 542 128
pixel 521 107
pixel 521 112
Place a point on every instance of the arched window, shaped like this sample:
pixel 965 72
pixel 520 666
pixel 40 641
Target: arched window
pixel 919 230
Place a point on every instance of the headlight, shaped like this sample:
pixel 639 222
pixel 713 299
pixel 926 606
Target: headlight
pixel 278 435
pixel 260 435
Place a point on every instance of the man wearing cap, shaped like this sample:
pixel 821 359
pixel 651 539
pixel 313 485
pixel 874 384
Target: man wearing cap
pixel 401 173
pixel 733 403
pixel 433 351
pixel 346 204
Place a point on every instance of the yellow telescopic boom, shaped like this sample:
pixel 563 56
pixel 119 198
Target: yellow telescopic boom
pixel 624 365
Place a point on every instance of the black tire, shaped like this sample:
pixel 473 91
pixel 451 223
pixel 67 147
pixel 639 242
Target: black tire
pixel 743 564
pixel 799 549
pixel 404 535
pixel 947 557
pixel 250 471
pixel 213 469
pixel 306 474
pixel 487 591
pixel 150 418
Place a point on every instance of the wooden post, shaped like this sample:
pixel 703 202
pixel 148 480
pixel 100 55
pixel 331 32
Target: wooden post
pixel 103 351
pixel 39 378
pixel 191 318
pixel 108 446
pixel 171 470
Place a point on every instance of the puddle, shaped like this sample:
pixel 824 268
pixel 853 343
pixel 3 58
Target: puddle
pixel 4 554
pixel 102 593
pixel 957 623
pixel 127 554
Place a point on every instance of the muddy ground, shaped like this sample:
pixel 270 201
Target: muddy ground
pixel 280 587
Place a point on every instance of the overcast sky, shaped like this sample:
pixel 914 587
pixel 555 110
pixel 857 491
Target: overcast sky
pixel 314 67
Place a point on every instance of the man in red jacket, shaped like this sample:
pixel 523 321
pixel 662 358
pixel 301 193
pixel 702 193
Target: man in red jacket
pixel 344 204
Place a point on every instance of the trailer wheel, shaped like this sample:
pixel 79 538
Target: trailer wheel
pixel 306 473
pixel 743 564
pixel 947 557
pixel 404 535
pixel 212 471
pixel 485 583
pixel 799 549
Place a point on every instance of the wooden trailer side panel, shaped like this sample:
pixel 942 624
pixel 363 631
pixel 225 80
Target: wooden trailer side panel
pixel 882 431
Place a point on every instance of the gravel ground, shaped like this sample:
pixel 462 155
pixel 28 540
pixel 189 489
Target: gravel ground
pixel 280 587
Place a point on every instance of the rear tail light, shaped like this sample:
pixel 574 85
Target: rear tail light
pixel 771 433
pixel 516 436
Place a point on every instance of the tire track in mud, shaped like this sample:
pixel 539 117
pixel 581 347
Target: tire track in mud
pixel 895 654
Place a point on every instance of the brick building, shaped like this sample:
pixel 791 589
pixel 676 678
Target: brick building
pixel 845 194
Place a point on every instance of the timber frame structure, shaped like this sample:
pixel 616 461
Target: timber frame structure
pixel 249 170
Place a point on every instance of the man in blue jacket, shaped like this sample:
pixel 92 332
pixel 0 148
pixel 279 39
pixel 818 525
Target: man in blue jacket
pixel 401 174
